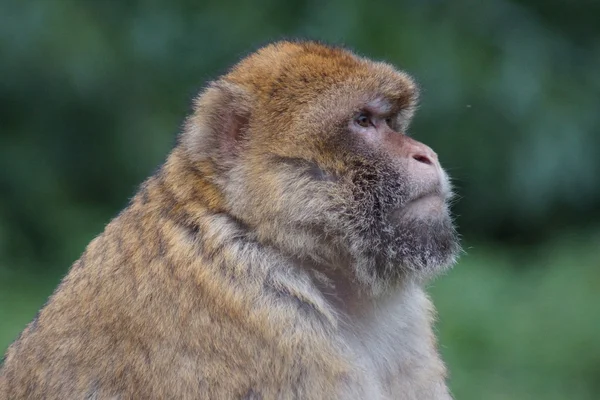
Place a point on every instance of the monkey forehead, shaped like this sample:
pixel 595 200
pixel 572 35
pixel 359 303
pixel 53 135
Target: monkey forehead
pixel 294 72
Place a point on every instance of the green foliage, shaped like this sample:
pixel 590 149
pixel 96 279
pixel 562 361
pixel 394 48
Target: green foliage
pixel 509 333
pixel 94 92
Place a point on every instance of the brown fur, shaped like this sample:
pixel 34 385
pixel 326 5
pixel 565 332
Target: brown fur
pixel 239 270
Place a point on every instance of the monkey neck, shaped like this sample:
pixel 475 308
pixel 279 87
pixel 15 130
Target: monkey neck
pixel 343 293
pixel 353 302
pixel 194 195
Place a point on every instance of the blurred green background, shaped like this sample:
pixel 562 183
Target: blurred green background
pixel 93 93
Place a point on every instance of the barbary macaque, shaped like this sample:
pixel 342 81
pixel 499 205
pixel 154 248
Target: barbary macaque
pixel 280 252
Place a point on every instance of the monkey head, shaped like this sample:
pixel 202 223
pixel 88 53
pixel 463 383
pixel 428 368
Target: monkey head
pixel 307 146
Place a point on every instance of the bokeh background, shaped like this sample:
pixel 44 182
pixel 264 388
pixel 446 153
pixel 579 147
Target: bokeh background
pixel 93 93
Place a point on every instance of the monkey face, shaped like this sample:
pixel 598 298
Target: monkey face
pixel 378 196
pixel 394 215
pixel 398 209
pixel 310 149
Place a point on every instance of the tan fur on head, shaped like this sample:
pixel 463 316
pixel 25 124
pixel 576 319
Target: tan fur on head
pixel 289 99
pixel 277 254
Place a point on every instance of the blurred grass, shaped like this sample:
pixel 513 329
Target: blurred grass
pixel 21 296
pixel 514 323
pixel 523 323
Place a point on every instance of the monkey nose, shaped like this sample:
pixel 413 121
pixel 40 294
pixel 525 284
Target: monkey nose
pixel 422 158
pixel 423 154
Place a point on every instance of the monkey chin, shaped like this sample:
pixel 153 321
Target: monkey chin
pixel 423 241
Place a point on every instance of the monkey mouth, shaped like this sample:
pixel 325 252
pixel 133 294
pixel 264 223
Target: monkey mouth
pixel 429 200
pixel 434 192
pixel 425 205
pixel 437 189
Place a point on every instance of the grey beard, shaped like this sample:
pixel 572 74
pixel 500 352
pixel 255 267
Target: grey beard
pixel 387 250
pixel 422 246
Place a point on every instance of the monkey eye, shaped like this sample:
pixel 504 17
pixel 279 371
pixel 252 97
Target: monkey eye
pixel 391 122
pixel 363 120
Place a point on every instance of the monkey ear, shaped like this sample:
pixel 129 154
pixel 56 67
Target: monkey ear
pixel 218 126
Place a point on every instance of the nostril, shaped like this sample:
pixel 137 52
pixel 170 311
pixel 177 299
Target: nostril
pixel 422 159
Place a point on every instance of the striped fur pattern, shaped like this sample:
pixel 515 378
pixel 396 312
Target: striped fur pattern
pixel 262 261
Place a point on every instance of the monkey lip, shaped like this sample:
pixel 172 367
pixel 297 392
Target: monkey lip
pixel 434 193
pixel 427 204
